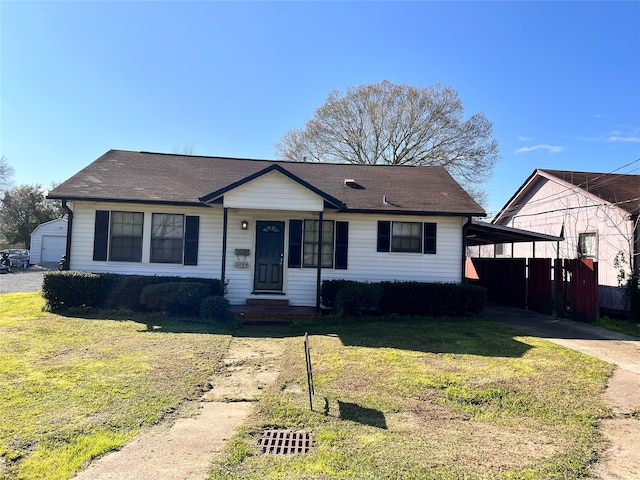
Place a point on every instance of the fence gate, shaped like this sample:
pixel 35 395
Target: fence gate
pixel 578 283
pixel 539 291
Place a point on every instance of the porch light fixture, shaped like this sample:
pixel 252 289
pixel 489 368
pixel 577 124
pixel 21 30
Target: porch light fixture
pixel 244 225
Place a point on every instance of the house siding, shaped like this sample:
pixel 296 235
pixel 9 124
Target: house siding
pixel 299 284
pixel 553 204
pixel 273 191
pixel 210 248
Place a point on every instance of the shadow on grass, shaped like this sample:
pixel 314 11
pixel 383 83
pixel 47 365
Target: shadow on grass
pixel 365 416
pixel 475 336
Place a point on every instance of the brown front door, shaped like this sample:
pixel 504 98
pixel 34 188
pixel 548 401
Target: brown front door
pixel 269 256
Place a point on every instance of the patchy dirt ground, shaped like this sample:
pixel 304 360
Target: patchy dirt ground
pixel 621 460
pixel 182 449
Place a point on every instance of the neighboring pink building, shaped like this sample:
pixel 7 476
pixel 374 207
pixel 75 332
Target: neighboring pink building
pixel 597 213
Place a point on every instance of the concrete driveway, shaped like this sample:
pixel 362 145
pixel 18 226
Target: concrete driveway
pixel 617 348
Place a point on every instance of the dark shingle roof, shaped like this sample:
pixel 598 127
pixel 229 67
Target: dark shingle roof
pixel 622 190
pixel 184 179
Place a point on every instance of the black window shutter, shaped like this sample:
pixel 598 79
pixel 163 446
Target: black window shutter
pixel 384 236
pixel 295 243
pixel 191 234
pixel 101 236
pixel 430 238
pixel 342 244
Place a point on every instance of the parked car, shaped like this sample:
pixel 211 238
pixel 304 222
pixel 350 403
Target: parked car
pixel 19 258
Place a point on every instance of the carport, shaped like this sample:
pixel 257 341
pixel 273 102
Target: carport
pixel 517 282
pixel 483 233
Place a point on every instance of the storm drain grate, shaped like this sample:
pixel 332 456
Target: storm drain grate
pixel 284 442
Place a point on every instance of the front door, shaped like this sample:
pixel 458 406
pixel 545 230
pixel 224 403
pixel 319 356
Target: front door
pixel 269 256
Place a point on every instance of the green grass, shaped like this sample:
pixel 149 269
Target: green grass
pixel 72 389
pixel 428 399
pixel 627 327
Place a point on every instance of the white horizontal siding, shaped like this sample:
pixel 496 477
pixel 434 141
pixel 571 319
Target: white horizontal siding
pixel 299 285
pixel 209 249
pixel 273 191
pixel 365 263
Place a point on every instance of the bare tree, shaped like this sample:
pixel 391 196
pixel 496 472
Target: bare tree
pixel 384 123
pixel 6 172
pixel 187 149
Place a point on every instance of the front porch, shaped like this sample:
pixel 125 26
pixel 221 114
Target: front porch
pixel 270 311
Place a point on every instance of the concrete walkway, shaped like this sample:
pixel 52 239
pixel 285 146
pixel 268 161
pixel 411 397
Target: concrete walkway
pixel 183 450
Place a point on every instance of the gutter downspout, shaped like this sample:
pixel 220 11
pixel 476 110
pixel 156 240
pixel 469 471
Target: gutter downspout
pixel 67 251
pixel 465 228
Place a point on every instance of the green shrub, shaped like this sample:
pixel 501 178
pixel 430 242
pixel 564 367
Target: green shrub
pixel 329 290
pixel 126 290
pixel 216 309
pixel 403 298
pixel 357 298
pixel 177 298
pixel 70 289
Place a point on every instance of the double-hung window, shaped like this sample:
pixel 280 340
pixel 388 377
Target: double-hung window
pixel 406 237
pixel 167 238
pixel 126 236
pixel 310 243
pixel 118 236
pixel 411 237
pixel 304 245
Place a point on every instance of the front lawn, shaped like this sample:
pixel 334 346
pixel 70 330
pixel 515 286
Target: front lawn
pixel 401 399
pixel 428 399
pixel 74 388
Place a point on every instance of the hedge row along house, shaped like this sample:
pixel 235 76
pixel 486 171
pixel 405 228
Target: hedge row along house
pixel 272 230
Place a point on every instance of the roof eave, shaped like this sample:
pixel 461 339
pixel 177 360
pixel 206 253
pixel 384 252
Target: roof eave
pixel 125 200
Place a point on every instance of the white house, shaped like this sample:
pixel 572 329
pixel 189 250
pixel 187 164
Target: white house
pixel 271 229
pixel 596 213
pixel 49 241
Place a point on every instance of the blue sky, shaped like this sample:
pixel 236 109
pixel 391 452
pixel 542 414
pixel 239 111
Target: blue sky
pixel 560 81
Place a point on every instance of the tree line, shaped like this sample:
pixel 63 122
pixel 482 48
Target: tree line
pixel 22 209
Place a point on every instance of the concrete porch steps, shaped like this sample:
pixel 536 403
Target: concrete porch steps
pixel 273 314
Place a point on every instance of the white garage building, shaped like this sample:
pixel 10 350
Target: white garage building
pixel 49 241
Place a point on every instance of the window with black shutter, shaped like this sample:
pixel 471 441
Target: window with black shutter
pixel 429 238
pixel 384 236
pixel 342 245
pixel 295 243
pixel 101 236
pixel 191 238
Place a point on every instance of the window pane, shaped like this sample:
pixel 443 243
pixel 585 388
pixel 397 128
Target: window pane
pixel 167 238
pixel 126 236
pixel 310 244
pixel 406 237
pixel 587 245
